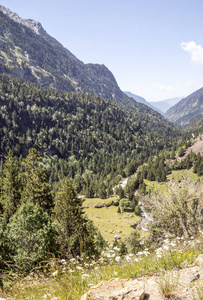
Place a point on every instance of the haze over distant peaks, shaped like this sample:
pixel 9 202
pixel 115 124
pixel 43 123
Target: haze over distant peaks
pixel 142 100
pixel 164 105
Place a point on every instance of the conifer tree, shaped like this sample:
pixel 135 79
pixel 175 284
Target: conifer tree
pixel 10 187
pixel 36 190
pixel 71 222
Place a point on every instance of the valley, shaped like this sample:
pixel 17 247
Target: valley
pixel 97 186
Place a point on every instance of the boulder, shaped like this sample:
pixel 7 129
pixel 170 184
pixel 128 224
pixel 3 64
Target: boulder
pixel 117 289
pixel 117 237
pixel 98 206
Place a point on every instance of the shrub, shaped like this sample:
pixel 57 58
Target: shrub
pixel 125 204
pixel 133 242
pixel 31 235
pixel 178 213
pixel 138 210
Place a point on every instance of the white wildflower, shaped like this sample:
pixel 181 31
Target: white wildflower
pixel 83 276
pixel 128 257
pixel 46 296
pixel 55 273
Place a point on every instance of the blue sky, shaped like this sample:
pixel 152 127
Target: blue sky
pixel 154 48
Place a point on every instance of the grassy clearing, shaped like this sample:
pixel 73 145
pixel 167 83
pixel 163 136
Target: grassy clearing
pixel 108 221
pixel 184 177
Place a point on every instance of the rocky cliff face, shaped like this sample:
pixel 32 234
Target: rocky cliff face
pixel 32 24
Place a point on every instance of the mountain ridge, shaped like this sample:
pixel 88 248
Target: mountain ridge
pixel 186 110
pixel 30 53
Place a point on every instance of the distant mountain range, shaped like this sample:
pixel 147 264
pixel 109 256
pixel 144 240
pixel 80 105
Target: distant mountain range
pixel 142 100
pixel 186 110
pixel 160 106
pixel 164 105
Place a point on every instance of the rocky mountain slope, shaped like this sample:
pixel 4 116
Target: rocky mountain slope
pixel 27 51
pixel 187 110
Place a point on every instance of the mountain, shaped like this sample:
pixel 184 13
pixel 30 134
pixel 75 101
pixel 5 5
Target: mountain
pixel 186 110
pixel 164 105
pixel 142 100
pixel 30 53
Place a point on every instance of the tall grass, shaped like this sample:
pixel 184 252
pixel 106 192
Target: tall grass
pixel 70 279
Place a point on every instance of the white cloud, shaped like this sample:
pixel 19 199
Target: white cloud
pixel 195 50
pixel 166 88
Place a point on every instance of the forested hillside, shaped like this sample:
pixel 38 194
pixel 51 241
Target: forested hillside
pixel 85 132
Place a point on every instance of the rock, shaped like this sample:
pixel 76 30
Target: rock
pixel 117 289
pixel 199 260
pixel 134 225
pixel 117 237
pixel 194 277
pixel 83 297
pixel 98 206
pixel 148 286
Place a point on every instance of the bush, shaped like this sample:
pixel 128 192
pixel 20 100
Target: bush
pixel 138 210
pixel 178 213
pixel 31 235
pixel 133 242
pixel 125 204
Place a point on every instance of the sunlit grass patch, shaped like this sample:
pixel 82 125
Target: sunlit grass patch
pixel 108 221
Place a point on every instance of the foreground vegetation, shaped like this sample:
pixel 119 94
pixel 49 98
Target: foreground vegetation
pixel 70 279
pixel 75 263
